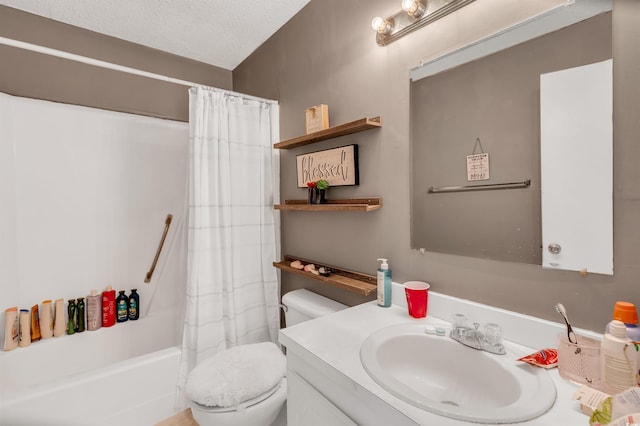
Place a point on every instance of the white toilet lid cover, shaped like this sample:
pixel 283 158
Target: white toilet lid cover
pixel 236 375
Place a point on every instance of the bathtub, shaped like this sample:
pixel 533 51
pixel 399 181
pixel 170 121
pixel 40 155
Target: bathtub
pixel 125 374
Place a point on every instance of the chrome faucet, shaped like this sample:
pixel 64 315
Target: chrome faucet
pixel 490 340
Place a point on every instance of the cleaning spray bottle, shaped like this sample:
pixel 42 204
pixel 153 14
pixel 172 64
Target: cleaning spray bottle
pixel 384 284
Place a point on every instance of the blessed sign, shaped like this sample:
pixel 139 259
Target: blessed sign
pixel 338 166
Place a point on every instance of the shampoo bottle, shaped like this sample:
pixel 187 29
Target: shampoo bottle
pixel 384 284
pixel 108 307
pixel 619 365
pixel 134 305
pixel 94 311
pixel 122 307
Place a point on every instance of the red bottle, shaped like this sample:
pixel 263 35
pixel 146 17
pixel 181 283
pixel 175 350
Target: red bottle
pixel 108 307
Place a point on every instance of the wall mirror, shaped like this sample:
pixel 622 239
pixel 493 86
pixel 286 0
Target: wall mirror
pixel 485 98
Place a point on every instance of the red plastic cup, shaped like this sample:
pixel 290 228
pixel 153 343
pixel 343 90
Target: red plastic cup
pixel 417 297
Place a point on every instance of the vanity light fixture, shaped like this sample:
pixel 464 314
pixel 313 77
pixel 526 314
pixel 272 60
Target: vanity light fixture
pixel 414 14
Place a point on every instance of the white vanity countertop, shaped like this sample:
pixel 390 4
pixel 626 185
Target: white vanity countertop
pixel 336 340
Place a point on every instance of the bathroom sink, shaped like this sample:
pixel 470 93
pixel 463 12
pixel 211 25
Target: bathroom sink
pixel 442 376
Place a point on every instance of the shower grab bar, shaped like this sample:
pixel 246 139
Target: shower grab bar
pixel 509 185
pixel 167 223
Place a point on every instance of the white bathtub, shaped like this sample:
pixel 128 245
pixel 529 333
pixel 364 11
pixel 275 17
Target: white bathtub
pixel 125 374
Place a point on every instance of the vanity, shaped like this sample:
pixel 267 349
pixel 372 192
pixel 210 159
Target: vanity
pixel 328 384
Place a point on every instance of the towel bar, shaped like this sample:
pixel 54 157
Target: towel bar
pixel 167 223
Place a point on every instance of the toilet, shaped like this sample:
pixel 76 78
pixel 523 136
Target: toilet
pixel 247 385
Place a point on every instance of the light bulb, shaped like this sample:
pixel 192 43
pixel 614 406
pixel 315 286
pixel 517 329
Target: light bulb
pixel 415 8
pixel 407 5
pixel 381 25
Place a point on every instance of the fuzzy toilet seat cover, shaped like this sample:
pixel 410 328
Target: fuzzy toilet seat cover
pixel 236 375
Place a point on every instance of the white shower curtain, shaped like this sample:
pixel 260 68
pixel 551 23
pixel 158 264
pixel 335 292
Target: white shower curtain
pixel 234 232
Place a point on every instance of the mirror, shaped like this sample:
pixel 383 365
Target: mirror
pixel 485 98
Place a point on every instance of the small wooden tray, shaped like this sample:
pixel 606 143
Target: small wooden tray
pixel 355 282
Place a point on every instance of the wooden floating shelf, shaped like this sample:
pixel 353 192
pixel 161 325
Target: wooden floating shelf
pixel 333 132
pixel 347 204
pixel 355 282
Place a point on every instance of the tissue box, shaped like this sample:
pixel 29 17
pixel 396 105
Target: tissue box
pixel 317 118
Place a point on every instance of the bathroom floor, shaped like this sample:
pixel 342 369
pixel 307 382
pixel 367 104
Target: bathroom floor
pixel 183 418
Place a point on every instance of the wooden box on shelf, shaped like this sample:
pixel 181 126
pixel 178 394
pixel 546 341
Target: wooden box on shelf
pixel 317 118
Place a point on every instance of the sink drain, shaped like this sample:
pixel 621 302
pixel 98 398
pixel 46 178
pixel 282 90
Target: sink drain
pixel 450 403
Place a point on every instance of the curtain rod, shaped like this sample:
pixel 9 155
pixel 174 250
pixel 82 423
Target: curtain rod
pixel 108 65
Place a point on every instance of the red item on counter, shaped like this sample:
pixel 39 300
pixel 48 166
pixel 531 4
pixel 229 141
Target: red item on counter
pixel 545 358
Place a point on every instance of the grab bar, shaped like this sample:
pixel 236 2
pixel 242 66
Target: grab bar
pixel 167 223
pixel 509 185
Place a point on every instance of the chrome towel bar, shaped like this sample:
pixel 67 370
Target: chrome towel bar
pixel 509 185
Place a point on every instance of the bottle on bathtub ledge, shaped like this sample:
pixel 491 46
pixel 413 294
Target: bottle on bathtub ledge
pixel 134 305
pixel 122 307
pixel 108 307
pixel 94 311
pixel 80 312
pixel 11 331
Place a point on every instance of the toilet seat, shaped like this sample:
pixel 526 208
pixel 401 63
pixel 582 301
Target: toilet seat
pixel 236 376
pixel 246 404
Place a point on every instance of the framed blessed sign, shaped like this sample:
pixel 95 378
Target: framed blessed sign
pixel 338 166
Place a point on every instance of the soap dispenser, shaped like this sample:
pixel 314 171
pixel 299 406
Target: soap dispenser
pixel 384 284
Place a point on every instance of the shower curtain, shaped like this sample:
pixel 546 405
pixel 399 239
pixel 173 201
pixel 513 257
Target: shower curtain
pixel 234 232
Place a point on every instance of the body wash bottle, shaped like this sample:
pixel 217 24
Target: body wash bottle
pixel 384 284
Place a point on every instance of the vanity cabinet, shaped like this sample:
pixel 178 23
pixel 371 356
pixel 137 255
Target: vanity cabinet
pixel 309 407
pixel 318 394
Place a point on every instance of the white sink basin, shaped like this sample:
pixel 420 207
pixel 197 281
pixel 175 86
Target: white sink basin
pixel 442 376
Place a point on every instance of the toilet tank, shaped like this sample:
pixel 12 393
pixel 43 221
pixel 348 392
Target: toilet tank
pixel 303 305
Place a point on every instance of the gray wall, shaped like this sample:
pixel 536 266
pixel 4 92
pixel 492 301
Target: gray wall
pixel 327 54
pixel 34 75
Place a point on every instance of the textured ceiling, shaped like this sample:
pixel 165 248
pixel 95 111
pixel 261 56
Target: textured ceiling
pixel 217 32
